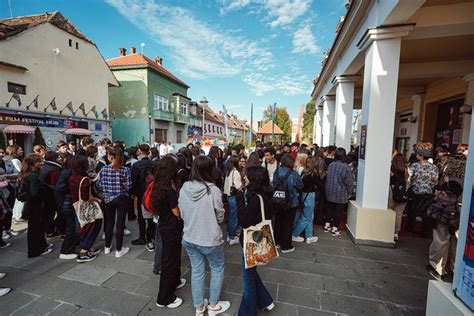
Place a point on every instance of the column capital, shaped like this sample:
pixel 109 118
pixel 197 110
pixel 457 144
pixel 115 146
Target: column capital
pixel 418 97
pixel 328 98
pixel 382 33
pixel 345 78
pixel 469 77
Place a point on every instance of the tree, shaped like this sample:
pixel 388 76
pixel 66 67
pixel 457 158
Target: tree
pixel 308 122
pixel 282 119
pixel 3 141
pixel 39 140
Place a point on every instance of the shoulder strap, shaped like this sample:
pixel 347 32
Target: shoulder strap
pixel 287 175
pixel 262 206
pixel 80 184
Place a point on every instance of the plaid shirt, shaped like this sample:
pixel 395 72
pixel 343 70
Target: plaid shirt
pixel 339 182
pixel 114 182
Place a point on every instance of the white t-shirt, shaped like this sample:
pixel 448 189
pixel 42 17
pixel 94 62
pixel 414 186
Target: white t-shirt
pixel 163 150
pixel 271 168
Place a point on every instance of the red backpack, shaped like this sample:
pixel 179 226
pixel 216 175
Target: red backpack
pixel 147 198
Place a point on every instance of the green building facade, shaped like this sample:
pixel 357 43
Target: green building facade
pixel 149 106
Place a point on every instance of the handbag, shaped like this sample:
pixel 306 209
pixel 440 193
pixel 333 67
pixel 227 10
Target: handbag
pixel 86 211
pixel 259 243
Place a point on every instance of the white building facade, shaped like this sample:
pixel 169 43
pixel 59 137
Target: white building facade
pixel 58 75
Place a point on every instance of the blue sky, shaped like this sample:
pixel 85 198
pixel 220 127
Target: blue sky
pixel 234 52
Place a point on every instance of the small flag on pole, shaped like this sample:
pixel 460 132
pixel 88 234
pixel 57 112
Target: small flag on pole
pixel 52 104
pixel 104 114
pixel 82 108
pixel 15 96
pixel 93 110
pixel 69 107
pixel 34 103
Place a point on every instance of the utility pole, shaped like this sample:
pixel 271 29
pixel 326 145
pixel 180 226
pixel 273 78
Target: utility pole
pixel 203 102
pixel 251 124
pixel 226 127
pixel 273 122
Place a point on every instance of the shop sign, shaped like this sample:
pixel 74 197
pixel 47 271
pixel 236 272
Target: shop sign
pixel 98 127
pixel 363 141
pixel 11 119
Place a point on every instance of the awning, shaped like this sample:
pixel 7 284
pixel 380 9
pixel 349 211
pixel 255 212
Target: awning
pixel 19 129
pixel 78 131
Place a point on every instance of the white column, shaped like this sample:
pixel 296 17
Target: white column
pixel 417 102
pixel 328 119
pixel 318 125
pixel 368 220
pixel 344 110
pixel 466 119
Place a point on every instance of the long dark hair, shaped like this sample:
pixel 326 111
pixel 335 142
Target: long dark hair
pixel 203 170
pixel 117 153
pixel 79 165
pixel 399 163
pixel 28 165
pixel 166 175
pixel 253 160
pixel 232 164
pixel 259 182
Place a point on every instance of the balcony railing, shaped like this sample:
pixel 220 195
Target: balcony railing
pixel 181 118
pixel 163 115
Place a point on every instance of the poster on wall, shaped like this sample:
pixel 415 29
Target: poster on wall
pixel 457 136
pixel 465 288
pixel 363 141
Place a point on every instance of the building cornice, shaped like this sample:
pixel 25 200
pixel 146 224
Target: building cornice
pixel 384 32
pixel 345 78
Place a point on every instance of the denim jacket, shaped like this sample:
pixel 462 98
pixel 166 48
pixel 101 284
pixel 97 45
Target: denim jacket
pixel 295 184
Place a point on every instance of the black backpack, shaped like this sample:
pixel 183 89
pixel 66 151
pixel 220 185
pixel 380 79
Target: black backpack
pixel 281 194
pixel 21 193
pixel 445 209
pixel 399 189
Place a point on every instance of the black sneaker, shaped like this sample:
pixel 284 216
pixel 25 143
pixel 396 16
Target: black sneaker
pixel 85 257
pixel 156 271
pixel 434 273
pixel 150 247
pixel 4 245
pixel 52 235
pixel 94 252
pixel 139 242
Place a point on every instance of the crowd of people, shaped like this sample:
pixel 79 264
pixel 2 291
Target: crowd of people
pixel 182 199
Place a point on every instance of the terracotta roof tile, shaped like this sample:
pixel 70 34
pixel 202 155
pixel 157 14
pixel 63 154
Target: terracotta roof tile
pixel 267 129
pixel 138 59
pixel 14 26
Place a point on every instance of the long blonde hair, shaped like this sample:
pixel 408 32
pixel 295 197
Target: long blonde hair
pixel 301 160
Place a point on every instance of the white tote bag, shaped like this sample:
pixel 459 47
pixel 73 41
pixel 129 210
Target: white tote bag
pixel 259 243
pixel 86 212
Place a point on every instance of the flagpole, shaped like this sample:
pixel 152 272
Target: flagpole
pixel 8 103
pixel 251 123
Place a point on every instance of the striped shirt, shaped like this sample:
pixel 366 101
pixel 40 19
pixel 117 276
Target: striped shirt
pixel 114 182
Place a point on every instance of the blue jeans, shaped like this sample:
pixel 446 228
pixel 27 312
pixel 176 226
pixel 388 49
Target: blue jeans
pixel 305 221
pixel 232 222
pixel 256 295
pixel 215 257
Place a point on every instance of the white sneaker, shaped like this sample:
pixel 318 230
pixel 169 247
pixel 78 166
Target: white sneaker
pixel 395 237
pixel 311 240
pixel 182 284
pixel 234 241
pixel 203 311
pixel 103 236
pixel 12 233
pixel 336 232
pixel 5 235
pixel 297 239
pixel 177 303
pixel 127 232
pixel 47 251
pixel 6 245
pixel 122 252
pixel 70 256
pixel 327 227
pixel 221 307
pixel 2 275
pixel 107 250
pixel 4 290
pixel 269 307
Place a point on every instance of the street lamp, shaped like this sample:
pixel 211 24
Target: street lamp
pixel 204 103
pixel 149 129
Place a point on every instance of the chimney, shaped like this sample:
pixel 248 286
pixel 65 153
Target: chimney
pixel 133 50
pixel 159 60
pixel 122 51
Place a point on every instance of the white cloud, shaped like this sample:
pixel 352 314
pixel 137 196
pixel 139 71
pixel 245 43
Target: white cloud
pixel 200 50
pixel 304 41
pixel 281 12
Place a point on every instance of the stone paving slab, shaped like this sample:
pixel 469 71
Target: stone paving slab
pixel 88 274
pixel 40 306
pixel 64 309
pixel 15 300
pixel 125 282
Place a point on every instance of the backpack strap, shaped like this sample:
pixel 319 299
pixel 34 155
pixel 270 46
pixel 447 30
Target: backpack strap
pixel 262 207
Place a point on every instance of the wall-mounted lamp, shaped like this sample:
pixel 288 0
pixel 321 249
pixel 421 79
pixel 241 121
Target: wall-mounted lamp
pixel 412 119
pixel 56 51
pixel 465 109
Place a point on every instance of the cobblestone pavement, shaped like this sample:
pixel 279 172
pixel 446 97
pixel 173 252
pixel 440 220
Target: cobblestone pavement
pixel 332 276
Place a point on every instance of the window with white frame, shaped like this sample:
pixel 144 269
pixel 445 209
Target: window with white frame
pixel 183 108
pixel 161 103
